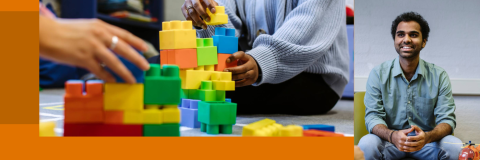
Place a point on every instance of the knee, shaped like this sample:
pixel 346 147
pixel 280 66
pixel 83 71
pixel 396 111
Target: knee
pixel 370 144
pixel 451 145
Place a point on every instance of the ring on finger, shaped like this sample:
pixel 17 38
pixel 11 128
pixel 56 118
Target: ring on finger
pixel 114 42
pixel 189 7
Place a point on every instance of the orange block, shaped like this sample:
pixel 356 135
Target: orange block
pixel 84 116
pixel 113 117
pixel 318 133
pixel 222 64
pixel 76 100
pixel 184 58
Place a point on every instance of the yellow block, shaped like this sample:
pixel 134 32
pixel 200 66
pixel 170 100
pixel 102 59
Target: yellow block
pixel 153 116
pixel 124 97
pixel 210 67
pixel 170 106
pixel 171 115
pixel 177 35
pixel 224 85
pixel 291 131
pixel 192 79
pixel 152 106
pixel 200 68
pixel 133 117
pixel 219 17
pixel 229 85
pixel 265 127
pixel 222 76
pixel 47 129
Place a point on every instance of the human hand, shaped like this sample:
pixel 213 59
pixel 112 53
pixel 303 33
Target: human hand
pixel 400 137
pixel 194 9
pixel 246 71
pixel 358 153
pixel 85 43
pixel 415 143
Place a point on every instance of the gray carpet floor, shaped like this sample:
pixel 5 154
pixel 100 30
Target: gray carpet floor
pixel 468 118
pixel 341 116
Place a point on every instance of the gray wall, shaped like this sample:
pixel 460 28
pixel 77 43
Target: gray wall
pixel 454 41
pixel 172 10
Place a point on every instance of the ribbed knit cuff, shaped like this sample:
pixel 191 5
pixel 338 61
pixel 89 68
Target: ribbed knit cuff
pixel 267 62
pixel 209 32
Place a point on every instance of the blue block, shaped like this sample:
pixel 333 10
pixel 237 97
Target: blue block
pixel 185 103
pixel 225 40
pixel 136 72
pixel 321 127
pixel 228 100
pixel 194 104
pixel 189 117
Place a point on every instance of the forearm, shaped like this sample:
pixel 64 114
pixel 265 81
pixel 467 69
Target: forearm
pixel 382 131
pixel 440 131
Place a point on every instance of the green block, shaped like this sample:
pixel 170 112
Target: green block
pixel 217 113
pixel 220 96
pixel 192 93
pixel 183 94
pixel 163 130
pixel 207 95
pixel 162 86
pixel 206 52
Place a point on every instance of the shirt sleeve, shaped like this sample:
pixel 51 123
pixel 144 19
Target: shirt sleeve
pixel 445 108
pixel 374 109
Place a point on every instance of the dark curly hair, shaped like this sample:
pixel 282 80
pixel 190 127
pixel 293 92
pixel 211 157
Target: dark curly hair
pixel 411 16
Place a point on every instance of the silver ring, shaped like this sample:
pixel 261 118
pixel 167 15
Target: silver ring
pixel 189 7
pixel 114 42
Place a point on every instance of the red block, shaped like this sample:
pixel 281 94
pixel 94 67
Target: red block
pixel 84 116
pixel 113 117
pixel 72 129
pixel 222 64
pixel 318 133
pixel 184 58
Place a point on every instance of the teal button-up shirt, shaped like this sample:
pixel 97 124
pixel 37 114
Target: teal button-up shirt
pixel 392 100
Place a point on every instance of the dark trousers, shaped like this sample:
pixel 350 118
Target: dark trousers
pixel 304 94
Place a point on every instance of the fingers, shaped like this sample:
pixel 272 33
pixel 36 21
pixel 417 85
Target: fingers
pixel 99 71
pixel 194 15
pixel 406 131
pixel 131 55
pixel 128 37
pixel 240 69
pixel 237 55
pixel 114 64
pixel 210 4
pixel 200 10
pixel 248 74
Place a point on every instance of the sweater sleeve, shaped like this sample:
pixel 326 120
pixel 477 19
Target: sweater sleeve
pixel 234 20
pixel 306 35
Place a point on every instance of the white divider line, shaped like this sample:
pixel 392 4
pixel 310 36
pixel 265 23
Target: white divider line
pixel 53 103
pixel 49 120
pixel 59 130
pixel 51 115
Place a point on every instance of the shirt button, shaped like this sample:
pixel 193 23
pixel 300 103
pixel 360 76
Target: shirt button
pixel 409 117
pixel 408 102
pixel 408 86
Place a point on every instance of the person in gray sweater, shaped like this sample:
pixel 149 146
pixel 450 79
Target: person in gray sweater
pixel 293 56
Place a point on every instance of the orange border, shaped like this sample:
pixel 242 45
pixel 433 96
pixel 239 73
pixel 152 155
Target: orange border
pixel 19 5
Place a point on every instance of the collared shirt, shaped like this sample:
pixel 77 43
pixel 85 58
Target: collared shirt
pixel 392 100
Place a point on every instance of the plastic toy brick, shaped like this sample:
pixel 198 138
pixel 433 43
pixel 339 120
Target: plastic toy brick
pixel 210 67
pixel 191 79
pixel 136 72
pixel 318 133
pixel 321 127
pixel 124 97
pixel 72 129
pixel 189 115
pixel 162 86
pixel 217 117
pixel 225 40
pixel 194 104
pixel 222 76
pixel 133 117
pixel 206 52
pixel 219 17
pixel 113 117
pixel 228 100
pixel 83 116
pixel 220 96
pixel 152 116
pixel 199 68
pixel 177 35
pixel 184 58
pixel 47 129
pixel 162 130
pixel 206 93
pixel 75 99
pixel 222 62
pixel 265 127
pixel 291 131
pixel 171 115
pixel 224 85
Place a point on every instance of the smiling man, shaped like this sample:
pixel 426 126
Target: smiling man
pixel 409 104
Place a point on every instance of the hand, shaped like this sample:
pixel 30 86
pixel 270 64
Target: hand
pixel 85 43
pixel 358 153
pixel 400 137
pixel 246 72
pixel 415 143
pixel 199 10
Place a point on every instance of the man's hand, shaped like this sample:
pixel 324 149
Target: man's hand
pixel 358 153
pixel 415 143
pixel 246 72
pixel 399 138
pixel 196 11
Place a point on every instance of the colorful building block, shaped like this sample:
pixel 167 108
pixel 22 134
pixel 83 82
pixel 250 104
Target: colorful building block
pixel 124 97
pixel 192 79
pixel 210 67
pixel 206 52
pixel 321 127
pixel 228 100
pixel 206 93
pixel 177 35
pixel 133 117
pixel 318 133
pixel 225 40
pixel 291 131
pixel 183 58
pixel 189 110
pixel 152 116
pixel 47 129
pixel 220 96
pixel 219 17
pixel 72 129
pixel 113 117
pixel 83 107
pixel 136 72
pixel 163 130
pixel 222 62
pixel 265 127
pixel 217 117
pixel 171 115
pixel 162 85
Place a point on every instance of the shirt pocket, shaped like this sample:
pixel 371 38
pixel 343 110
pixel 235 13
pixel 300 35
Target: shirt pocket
pixel 425 108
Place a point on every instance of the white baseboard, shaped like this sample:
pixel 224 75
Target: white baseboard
pixel 459 86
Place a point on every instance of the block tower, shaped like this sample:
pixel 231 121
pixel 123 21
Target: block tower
pixel 146 108
pixel 203 82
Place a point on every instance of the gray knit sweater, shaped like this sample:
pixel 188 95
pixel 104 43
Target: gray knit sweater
pixel 301 36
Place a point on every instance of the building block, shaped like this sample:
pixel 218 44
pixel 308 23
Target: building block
pixel 47 129
pixel 219 17
pixel 321 127
pixel 265 127
pixel 225 40
pixel 171 115
pixel 189 116
pixel 166 130
pixel 206 52
pixel 73 129
pixel 222 62
pixel 152 116
pixel 224 85
pixel 136 72
pixel 216 117
pixel 177 35
pixel 113 117
pixel 319 133
pixel 133 117
pixel 291 131
pixel 206 93
pixel 220 96
pixel 192 79
pixel 124 97
pixel 194 104
pixel 76 99
pixel 228 100
pixel 210 67
pixel 183 58
pixel 162 86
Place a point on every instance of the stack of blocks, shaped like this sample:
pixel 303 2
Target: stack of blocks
pixel 201 62
pixel 118 109
pixel 269 128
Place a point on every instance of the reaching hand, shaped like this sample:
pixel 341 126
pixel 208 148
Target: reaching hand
pixel 194 9
pixel 246 72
